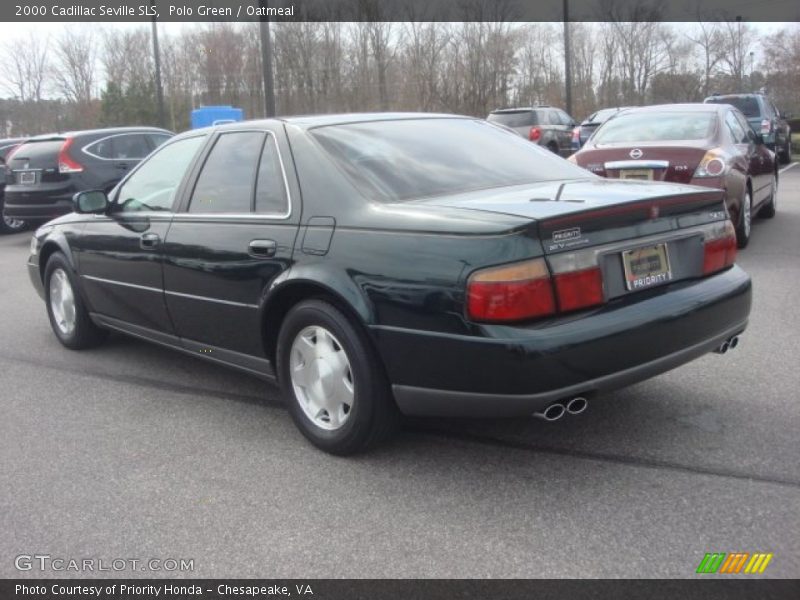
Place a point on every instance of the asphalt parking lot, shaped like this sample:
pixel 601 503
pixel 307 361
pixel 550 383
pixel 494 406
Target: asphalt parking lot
pixel 134 451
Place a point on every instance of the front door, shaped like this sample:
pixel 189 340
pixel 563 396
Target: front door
pixel 232 237
pixel 121 253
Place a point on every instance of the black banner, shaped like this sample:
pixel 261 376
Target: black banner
pixel 396 10
pixel 412 589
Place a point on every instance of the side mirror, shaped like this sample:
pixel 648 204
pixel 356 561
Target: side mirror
pixel 90 202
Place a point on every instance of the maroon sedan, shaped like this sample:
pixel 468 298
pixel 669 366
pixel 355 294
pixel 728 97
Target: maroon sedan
pixel 702 144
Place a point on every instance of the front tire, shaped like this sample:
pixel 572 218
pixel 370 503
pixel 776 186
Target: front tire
pixel 745 226
pixel 68 315
pixel 335 387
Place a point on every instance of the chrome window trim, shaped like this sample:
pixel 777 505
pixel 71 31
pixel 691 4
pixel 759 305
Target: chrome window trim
pixel 248 215
pixel 637 164
pixel 108 137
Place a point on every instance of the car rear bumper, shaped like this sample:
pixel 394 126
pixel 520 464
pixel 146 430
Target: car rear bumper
pixel 37 205
pixel 518 370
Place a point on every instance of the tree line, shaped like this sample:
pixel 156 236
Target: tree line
pixel 89 76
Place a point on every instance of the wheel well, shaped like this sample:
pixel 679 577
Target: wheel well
pixel 45 253
pixel 291 295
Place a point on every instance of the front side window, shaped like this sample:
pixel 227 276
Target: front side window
pixel 225 184
pixel 154 184
pixel 415 158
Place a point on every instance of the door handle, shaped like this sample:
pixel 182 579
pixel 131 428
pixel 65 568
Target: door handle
pixel 262 248
pixel 149 240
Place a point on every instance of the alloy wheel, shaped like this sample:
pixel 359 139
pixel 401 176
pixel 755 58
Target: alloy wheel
pixel 62 302
pixel 321 377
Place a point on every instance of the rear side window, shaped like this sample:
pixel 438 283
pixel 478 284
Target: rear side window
pixel 130 146
pixel 156 139
pixel 523 118
pixel 225 184
pixel 738 133
pixel 103 148
pixel 270 186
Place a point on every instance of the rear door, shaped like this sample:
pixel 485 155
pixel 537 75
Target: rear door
pixel 759 159
pixel 232 238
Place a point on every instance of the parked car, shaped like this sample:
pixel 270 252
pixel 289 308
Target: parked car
pixel 8 224
pixel 45 172
pixel 584 131
pixel 710 145
pixel 549 127
pixel 433 265
pixel 764 117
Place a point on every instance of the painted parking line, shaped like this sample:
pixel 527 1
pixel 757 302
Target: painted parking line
pixel 787 167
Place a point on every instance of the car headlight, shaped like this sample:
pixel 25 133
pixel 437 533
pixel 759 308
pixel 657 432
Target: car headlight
pixel 34 246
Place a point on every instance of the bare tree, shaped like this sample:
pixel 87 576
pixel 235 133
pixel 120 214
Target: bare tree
pixel 708 38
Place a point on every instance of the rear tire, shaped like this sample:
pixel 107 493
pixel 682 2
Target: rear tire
pixel 770 207
pixel 10 224
pixel 334 384
pixel 68 315
pixel 745 226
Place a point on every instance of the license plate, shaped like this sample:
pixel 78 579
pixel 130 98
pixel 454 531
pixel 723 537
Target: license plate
pixel 27 177
pixel 645 174
pixel 646 266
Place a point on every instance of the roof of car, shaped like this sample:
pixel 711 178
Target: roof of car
pixel 686 107
pixel 105 130
pixel 519 109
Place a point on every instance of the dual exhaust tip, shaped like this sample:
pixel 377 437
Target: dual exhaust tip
pixel 727 345
pixel 558 409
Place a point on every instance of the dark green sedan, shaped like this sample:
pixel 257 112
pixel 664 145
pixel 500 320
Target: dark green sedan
pixel 384 264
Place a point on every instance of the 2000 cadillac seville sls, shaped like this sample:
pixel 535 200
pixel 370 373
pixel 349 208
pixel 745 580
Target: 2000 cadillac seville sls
pixel 382 264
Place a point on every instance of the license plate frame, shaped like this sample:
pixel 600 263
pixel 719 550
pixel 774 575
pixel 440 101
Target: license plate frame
pixel 637 174
pixel 642 271
pixel 27 177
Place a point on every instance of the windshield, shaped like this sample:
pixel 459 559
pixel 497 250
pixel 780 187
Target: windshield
pixel 416 158
pixel 654 127
pixel 523 118
pixel 747 104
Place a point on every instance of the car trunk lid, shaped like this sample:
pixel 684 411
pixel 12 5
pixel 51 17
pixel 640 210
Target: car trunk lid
pixel 673 162
pixel 36 161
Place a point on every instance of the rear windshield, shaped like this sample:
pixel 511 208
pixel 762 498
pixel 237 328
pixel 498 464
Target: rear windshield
pixel 45 149
pixel 523 118
pixel 653 127
pixel 416 158
pixel 747 104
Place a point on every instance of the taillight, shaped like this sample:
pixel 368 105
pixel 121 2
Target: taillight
pixel 766 126
pixel 576 135
pixel 719 247
pixel 713 164
pixel 11 152
pixel 534 134
pixel 511 292
pixel 578 280
pixel 65 163
pixel 579 289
